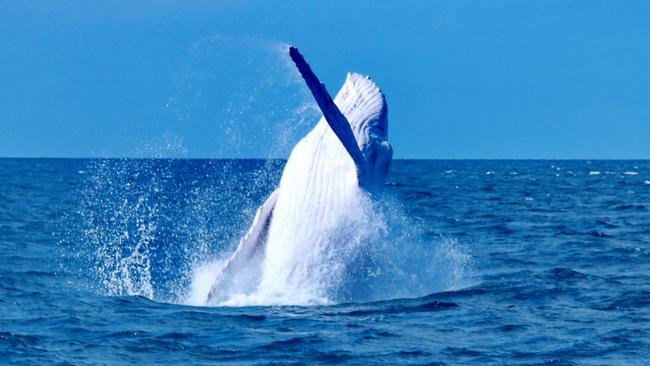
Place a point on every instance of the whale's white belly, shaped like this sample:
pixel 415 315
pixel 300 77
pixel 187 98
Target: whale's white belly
pixel 318 190
pixel 308 231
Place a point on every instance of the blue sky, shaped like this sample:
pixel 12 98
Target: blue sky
pixel 464 79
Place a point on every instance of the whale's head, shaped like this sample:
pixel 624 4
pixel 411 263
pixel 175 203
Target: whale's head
pixel 364 106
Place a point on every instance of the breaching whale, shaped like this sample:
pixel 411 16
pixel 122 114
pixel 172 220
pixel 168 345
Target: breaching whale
pixel 343 159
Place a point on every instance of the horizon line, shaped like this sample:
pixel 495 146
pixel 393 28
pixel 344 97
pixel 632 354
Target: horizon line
pixel 286 158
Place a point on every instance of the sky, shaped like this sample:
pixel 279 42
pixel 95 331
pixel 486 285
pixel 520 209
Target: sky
pixel 211 79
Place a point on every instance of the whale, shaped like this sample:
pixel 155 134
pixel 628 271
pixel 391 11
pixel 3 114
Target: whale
pixel 338 166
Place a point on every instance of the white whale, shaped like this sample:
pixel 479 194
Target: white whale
pixel 329 174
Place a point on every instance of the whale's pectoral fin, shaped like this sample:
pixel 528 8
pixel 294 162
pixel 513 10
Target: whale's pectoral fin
pixel 248 246
pixel 331 112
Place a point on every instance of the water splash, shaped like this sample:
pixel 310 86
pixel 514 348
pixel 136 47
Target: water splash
pixel 147 223
pixel 120 220
pixel 160 228
pixel 374 251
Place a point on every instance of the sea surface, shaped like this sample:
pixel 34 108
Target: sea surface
pixel 477 262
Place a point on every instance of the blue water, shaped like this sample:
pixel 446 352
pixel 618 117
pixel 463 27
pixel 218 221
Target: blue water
pixel 495 262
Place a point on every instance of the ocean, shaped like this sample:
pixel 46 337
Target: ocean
pixel 462 262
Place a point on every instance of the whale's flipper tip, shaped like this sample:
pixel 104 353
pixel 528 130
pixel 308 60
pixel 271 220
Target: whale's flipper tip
pixel 331 112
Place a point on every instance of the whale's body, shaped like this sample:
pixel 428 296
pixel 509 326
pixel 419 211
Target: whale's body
pixel 307 217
